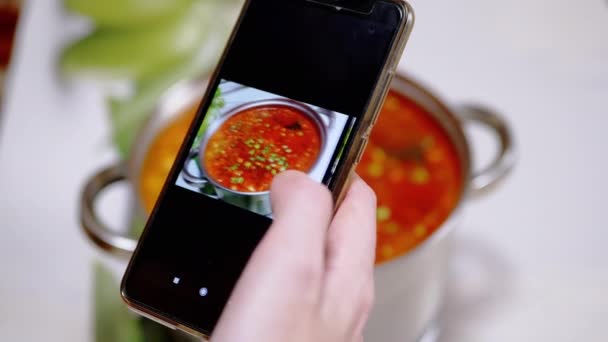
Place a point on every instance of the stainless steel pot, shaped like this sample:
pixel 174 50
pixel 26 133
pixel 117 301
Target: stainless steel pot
pixel 258 202
pixel 409 288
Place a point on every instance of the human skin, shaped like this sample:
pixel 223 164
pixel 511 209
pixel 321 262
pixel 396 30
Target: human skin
pixel 311 277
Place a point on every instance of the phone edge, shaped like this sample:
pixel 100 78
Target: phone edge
pixel 376 101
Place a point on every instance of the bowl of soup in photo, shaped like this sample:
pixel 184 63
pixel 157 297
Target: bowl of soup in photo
pixel 418 161
pixel 263 138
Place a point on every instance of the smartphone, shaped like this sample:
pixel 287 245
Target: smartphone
pixel 299 86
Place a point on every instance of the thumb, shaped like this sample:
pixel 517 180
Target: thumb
pixel 302 213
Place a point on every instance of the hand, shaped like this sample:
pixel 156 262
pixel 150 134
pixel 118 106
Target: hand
pixel 311 277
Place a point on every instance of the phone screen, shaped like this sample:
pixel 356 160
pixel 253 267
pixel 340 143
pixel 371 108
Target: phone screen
pixel 289 93
pixel 249 135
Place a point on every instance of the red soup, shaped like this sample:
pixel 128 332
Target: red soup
pixel 251 147
pixel 415 171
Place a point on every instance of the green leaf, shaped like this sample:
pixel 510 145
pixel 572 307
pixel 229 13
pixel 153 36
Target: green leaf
pixel 127 116
pixel 126 13
pixel 137 54
pixel 214 110
pixel 154 332
pixel 113 321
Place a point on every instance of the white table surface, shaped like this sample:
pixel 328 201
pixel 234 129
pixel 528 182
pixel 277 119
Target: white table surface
pixel 531 262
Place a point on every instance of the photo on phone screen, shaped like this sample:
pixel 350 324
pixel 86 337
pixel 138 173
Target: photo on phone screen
pixel 249 135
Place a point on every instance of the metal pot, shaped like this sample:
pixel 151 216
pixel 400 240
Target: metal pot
pixel 258 202
pixel 409 288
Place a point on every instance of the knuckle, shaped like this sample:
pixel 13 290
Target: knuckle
pixel 305 273
pixel 368 192
pixel 311 189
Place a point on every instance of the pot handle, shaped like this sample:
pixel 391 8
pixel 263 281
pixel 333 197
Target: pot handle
pixel 194 180
pixel 99 233
pixel 188 176
pixel 484 180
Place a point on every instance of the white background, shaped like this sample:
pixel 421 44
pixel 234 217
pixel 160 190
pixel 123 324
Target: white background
pixel 530 263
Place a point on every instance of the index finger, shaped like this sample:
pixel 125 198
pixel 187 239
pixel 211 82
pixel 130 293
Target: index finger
pixel 302 213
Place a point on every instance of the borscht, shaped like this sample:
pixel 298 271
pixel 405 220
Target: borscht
pixel 254 145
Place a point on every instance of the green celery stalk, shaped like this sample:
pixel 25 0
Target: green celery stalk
pixel 136 54
pixel 126 13
pixel 113 321
pixel 126 116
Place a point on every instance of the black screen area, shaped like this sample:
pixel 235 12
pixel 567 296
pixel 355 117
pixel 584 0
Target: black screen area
pixel 312 53
pixel 195 247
